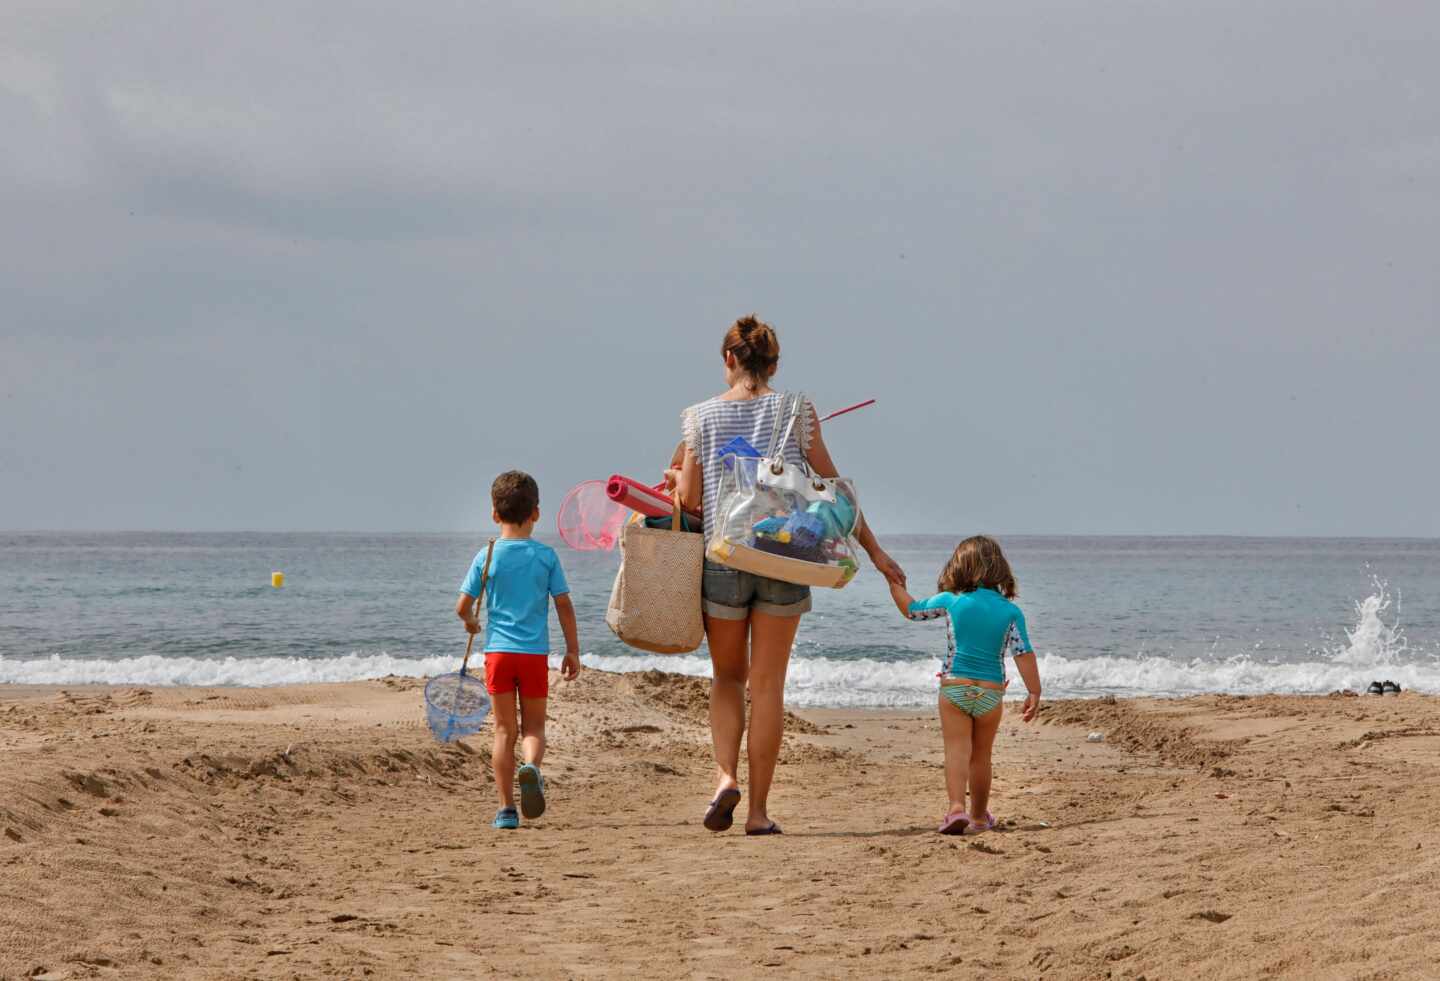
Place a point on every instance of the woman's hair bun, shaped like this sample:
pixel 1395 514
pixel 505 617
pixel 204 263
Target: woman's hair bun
pixel 755 346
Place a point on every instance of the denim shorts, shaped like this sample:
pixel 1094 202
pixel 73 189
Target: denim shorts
pixel 730 594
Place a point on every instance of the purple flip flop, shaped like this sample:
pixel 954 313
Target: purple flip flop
pixel 976 827
pixel 955 823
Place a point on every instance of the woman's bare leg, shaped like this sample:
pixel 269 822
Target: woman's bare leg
pixel 956 729
pixel 771 638
pixel 981 744
pixel 730 661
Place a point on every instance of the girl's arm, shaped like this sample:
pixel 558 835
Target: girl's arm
pixel 902 599
pixel 821 462
pixel 1030 674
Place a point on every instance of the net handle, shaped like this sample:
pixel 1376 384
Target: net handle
pixel 484 578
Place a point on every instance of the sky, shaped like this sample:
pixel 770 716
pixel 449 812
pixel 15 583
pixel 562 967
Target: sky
pixel 1119 268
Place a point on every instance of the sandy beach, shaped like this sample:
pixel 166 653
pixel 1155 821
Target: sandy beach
pixel 318 831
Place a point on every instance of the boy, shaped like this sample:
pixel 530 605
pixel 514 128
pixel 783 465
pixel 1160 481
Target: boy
pixel 523 575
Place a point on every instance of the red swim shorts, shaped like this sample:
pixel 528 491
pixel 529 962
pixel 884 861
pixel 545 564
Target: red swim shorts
pixel 505 672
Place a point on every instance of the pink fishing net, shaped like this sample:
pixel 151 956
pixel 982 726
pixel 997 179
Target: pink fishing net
pixel 588 520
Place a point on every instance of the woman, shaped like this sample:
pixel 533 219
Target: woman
pixel 750 620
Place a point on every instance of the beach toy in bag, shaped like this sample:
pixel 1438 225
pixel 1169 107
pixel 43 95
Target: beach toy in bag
pixel 780 520
pixel 804 534
pixel 737 447
pixel 456 704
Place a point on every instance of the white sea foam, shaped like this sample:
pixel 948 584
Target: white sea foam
pixel 816 682
pixel 1375 649
pixel 152 669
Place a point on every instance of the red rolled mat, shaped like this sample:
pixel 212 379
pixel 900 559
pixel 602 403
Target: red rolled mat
pixel 649 501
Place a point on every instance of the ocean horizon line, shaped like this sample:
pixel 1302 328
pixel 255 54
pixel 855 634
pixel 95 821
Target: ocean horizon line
pixel 1028 535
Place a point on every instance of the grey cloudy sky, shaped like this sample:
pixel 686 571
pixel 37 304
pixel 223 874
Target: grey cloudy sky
pixel 1108 267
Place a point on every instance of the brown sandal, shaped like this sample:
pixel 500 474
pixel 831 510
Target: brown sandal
pixel 720 815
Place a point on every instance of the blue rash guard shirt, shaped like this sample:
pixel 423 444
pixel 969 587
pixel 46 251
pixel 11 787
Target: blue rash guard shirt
pixel 524 574
pixel 984 627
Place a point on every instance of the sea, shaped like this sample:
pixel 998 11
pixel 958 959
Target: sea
pixel 1107 615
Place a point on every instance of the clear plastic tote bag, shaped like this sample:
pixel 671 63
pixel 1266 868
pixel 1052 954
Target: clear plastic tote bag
pixel 780 520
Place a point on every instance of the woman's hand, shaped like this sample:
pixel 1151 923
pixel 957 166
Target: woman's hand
pixel 888 567
pixel 672 479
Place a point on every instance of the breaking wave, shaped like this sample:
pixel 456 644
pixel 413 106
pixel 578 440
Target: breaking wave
pixel 1375 648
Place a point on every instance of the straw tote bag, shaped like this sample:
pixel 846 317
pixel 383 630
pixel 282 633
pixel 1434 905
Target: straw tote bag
pixel 655 604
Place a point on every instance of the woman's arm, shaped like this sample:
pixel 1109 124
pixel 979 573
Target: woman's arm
pixel 690 480
pixel 823 465
pixel 819 455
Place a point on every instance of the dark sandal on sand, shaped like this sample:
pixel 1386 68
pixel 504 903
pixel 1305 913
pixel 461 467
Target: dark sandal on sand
pixel 773 829
pixel 720 815
pixel 532 791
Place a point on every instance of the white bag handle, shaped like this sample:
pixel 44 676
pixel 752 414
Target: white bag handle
pixel 775 425
pixel 790 408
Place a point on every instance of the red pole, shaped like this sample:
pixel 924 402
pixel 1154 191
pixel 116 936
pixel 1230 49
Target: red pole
pixel 848 408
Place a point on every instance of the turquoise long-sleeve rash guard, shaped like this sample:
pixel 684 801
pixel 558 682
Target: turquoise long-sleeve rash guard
pixel 985 627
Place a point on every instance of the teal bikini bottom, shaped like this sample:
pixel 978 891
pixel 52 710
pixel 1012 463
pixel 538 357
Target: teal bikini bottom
pixel 973 700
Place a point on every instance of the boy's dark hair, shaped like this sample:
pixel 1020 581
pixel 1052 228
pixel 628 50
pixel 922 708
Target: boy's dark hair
pixel 515 496
pixel 978 563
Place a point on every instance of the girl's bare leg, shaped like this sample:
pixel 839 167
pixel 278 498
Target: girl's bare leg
pixel 771 638
pixel 981 743
pixel 956 728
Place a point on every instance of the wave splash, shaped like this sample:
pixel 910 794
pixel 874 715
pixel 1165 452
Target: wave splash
pixel 1373 641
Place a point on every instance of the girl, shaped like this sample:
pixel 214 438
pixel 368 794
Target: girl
pixel 976 589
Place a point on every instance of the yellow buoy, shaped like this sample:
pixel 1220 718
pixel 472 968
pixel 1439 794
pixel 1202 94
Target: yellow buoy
pixel 277 579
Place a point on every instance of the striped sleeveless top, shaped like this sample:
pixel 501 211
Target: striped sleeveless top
pixel 711 424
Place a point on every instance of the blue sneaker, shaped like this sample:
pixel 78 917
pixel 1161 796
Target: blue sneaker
pixel 506 819
pixel 532 790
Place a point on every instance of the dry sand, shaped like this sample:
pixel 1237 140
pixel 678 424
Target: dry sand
pixel 316 831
